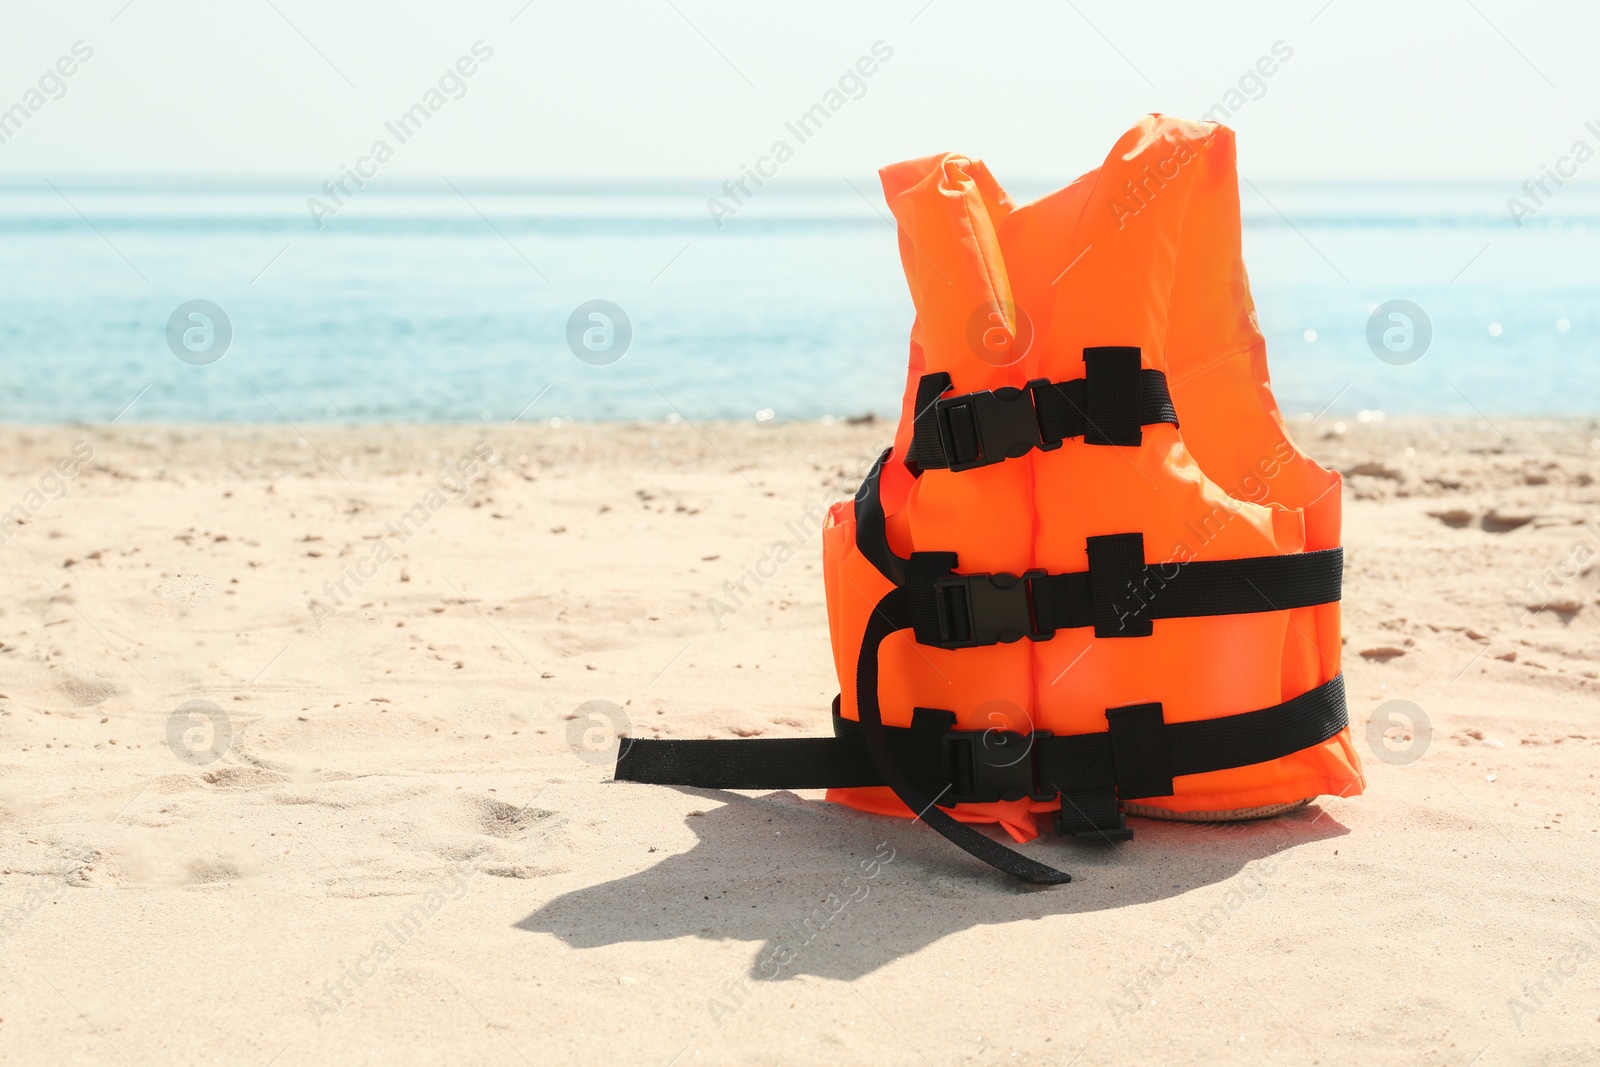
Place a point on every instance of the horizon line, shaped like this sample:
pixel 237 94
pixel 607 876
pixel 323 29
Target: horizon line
pixel 138 181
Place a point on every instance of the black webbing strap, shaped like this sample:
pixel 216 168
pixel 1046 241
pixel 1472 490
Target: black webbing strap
pixel 1119 595
pixel 889 616
pixel 1138 752
pixel 1112 394
pixel 925 424
pixel 762 763
pixel 872 535
pixel 1138 755
pixel 838 762
pixel 929 603
pixel 1064 410
pixel 1109 405
pixel 1116 573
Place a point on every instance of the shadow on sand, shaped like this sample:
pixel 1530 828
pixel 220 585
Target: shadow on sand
pixel 810 879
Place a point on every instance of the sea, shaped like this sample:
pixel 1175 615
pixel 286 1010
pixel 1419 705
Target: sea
pixel 451 300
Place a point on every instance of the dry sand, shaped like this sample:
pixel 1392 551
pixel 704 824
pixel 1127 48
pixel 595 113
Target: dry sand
pixel 403 855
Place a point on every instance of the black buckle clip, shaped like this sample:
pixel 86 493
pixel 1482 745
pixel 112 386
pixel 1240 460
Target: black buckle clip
pixel 1004 420
pixel 989 765
pixel 986 609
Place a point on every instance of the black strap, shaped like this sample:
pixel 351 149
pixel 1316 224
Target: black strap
pixel 1146 756
pixel 890 615
pixel 872 536
pixel 925 423
pixel 1108 406
pixel 1070 763
pixel 1112 395
pixel 1119 595
pixel 836 762
pixel 764 763
pixel 1138 755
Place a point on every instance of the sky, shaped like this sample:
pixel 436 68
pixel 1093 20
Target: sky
pixel 1358 89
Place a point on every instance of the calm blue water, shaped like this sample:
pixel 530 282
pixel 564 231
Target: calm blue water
pixel 411 305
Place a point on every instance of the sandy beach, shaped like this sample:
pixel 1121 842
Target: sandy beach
pixel 298 766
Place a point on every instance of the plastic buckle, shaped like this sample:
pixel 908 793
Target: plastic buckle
pixel 990 765
pixel 1004 419
pixel 986 609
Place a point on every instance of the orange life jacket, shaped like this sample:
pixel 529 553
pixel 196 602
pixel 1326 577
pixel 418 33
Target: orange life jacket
pixel 1047 596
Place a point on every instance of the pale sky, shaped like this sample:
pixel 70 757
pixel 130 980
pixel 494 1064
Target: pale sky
pixel 1471 89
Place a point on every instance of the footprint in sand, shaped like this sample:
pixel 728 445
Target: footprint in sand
pixel 85 689
pixel 508 822
pixel 537 829
pixel 213 870
pixel 89 868
pixel 243 777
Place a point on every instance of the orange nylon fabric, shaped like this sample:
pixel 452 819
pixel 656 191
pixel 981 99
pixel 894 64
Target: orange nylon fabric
pixel 1144 251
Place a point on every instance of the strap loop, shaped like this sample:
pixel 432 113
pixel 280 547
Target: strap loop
pixel 1139 751
pixel 1111 396
pixel 1116 573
